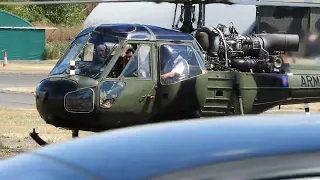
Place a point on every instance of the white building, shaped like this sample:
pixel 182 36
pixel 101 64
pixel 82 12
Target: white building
pixel 242 16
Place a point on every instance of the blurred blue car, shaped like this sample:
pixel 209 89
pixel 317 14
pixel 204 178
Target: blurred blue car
pixel 241 148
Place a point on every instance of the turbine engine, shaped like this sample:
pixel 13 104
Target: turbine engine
pixel 247 53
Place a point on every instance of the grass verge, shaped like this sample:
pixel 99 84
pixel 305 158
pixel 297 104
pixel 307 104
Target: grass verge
pixel 56 49
pixel 16 124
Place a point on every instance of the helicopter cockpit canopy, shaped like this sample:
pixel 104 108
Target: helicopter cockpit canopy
pixel 91 52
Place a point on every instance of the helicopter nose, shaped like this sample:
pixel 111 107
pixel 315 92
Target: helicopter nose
pixel 50 95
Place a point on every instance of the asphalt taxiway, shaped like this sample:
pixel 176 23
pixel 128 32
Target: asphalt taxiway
pixel 18 99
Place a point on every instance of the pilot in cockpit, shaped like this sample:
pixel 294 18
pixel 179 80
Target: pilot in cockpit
pixel 100 54
pixel 174 67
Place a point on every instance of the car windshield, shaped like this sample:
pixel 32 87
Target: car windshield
pixel 91 52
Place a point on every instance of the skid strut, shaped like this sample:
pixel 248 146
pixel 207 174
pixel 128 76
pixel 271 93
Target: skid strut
pixel 34 135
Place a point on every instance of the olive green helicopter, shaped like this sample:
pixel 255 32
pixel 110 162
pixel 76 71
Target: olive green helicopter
pixel 119 75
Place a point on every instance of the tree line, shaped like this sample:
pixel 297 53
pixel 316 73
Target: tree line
pixel 65 14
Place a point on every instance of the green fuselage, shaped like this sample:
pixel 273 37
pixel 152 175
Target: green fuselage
pixel 206 95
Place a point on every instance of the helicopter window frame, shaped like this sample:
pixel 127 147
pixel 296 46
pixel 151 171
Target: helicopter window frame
pixel 65 99
pixel 113 61
pixel 104 78
pixel 120 51
pixel 136 53
pixel 109 92
pixel 113 49
pixel 67 51
pixel 200 52
pixel 83 45
pixel 189 44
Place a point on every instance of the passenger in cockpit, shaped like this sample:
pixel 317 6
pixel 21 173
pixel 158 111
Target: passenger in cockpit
pixel 123 61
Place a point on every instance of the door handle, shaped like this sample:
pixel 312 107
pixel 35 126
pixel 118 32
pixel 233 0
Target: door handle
pixel 148 96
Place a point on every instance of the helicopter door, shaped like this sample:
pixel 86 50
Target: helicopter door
pixel 129 96
pixel 181 70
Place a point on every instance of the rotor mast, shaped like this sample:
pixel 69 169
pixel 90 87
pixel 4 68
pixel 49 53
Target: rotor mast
pixel 202 14
pixel 187 16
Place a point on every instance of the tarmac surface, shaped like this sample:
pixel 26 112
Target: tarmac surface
pixel 20 80
pixel 14 99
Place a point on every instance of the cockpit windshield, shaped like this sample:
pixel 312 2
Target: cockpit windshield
pixel 91 52
pixel 200 56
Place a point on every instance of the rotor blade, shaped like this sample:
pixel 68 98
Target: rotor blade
pixel 290 3
pixel 111 1
pixel 74 2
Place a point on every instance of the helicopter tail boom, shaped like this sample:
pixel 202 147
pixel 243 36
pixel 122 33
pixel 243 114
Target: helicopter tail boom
pixel 262 91
pixel 304 83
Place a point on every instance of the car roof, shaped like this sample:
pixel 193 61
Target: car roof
pixel 152 150
pixel 139 32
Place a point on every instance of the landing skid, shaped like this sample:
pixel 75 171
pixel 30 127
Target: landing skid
pixel 34 135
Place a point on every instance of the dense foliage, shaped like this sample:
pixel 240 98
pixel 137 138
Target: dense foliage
pixel 66 14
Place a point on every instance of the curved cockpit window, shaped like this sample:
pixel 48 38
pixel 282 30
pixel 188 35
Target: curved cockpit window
pixel 202 60
pixel 179 62
pixel 109 92
pixel 91 52
pixel 140 63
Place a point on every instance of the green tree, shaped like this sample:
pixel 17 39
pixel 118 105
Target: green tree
pixel 17 10
pixel 66 14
